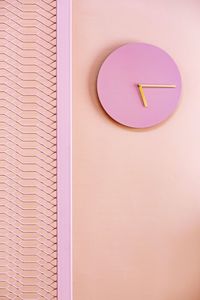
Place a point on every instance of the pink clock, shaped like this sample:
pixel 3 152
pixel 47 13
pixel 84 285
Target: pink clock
pixel 139 85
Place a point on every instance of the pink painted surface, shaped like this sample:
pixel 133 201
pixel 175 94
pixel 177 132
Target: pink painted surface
pixel 118 79
pixel 136 193
pixel 28 170
pixel 64 149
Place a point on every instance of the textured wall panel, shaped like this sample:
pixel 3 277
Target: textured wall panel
pixel 28 149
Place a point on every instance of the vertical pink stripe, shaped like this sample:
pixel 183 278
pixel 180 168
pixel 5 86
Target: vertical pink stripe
pixel 63 150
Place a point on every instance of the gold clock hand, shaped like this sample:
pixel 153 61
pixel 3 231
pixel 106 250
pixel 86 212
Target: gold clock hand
pixel 158 85
pixel 141 86
pixel 144 100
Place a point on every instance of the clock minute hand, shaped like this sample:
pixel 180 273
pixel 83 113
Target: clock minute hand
pixel 141 86
pixel 157 85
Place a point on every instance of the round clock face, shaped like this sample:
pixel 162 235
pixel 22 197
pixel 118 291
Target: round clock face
pixel 139 85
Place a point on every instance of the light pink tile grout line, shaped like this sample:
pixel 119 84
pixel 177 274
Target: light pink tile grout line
pixel 64 147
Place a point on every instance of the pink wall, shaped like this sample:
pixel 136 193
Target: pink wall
pixel 136 194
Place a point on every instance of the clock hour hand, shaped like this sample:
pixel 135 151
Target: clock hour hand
pixel 141 86
pixel 144 100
